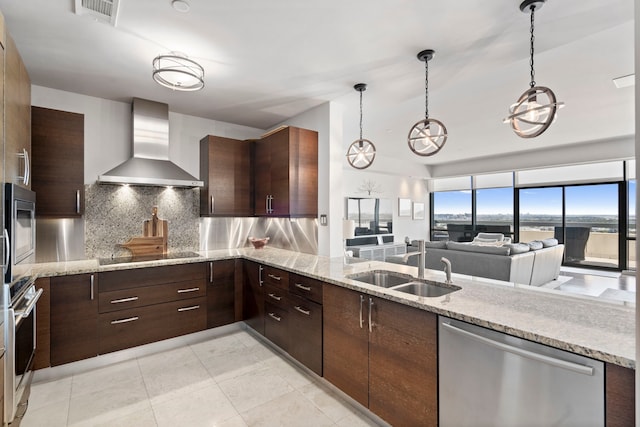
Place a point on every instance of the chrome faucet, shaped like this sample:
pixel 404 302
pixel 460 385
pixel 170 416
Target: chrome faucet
pixel 421 258
pixel 447 270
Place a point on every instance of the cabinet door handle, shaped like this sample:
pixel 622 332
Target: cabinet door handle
pixel 211 272
pixel 7 251
pixel 118 301
pixel 92 280
pixel 361 303
pixel 271 210
pixel 127 320
pixel 275 297
pixel 278 278
pixel 302 310
pixel 260 275
pixel 370 310
pixel 184 291
pixel 266 204
pixel 193 307
pixel 274 317
pixel 211 209
pixel 303 287
pixel 25 176
pixel 78 201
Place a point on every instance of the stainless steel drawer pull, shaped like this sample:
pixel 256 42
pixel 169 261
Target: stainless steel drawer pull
pixel 274 317
pixel 210 271
pixel 370 310
pixel 303 287
pixel 275 277
pixel 184 291
pixel 92 280
pixel 302 310
pixel 275 297
pixel 77 201
pixel 193 307
pixel 127 320
pixel 212 201
pixel 361 302
pixel 117 301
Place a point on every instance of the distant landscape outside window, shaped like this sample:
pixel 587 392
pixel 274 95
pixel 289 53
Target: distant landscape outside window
pixel 494 210
pixel 540 213
pixel 631 226
pixel 450 207
pixel 592 225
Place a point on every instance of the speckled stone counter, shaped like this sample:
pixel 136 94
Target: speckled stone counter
pixel 603 330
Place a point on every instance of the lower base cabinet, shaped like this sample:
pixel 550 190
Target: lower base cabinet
pixel 253 296
pixel 374 352
pixel 221 292
pixel 620 396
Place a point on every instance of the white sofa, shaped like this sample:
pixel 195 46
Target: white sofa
pixel 536 265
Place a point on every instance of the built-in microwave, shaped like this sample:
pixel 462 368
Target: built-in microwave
pixel 20 227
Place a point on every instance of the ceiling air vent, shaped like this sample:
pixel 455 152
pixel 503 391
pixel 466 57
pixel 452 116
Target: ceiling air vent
pixel 103 10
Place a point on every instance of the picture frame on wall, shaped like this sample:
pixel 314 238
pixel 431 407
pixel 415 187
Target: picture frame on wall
pixel 404 207
pixel 418 210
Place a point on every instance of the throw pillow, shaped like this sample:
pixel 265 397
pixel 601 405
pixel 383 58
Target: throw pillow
pixel 436 245
pixel 547 243
pixel 534 245
pixel 517 248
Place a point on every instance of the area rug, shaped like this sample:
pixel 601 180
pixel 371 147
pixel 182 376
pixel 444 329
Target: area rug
pixel 619 295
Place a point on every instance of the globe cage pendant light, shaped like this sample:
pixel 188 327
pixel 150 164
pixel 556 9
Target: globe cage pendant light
pixel 428 136
pixel 361 152
pixel 175 71
pixel 537 107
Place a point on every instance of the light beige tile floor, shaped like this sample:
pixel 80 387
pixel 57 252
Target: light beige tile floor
pixel 229 380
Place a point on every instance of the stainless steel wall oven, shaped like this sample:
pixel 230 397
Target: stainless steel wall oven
pixel 20 231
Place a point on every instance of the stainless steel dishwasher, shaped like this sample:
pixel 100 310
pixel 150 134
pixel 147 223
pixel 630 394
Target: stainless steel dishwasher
pixel 486 378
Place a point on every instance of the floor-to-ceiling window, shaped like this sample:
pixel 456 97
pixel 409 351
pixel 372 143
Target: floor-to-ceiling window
pixel 631 224
pixel 540 213
pixel 451 215
pixel 494 210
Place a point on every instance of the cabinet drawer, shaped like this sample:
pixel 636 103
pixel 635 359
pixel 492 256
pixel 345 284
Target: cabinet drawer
pixel 276 325
pixel 305 323
pixel 275 277
pixel 276 296
pixel 129 328
pixel 306 287
pixel 148 295
pixel 139 277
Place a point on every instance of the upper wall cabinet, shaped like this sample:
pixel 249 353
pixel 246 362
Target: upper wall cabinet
pixel 286 173
pixel 17 96
pixel 225 169
pixel 58 162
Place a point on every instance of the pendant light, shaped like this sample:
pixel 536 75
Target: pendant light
pixel 428 136
pixel 361 152
pixel 537 107
pixel 175 71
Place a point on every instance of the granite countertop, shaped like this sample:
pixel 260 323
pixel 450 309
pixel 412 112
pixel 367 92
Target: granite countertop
pixel 603 330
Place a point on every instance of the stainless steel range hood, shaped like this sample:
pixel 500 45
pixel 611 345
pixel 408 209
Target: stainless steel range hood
pixel 150 164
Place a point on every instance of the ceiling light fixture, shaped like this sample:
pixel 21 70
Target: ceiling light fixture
pixel 181 6
pixel 361 152
pixel 428 136
pixel 537 107
pixel 625 81
pixel 175 71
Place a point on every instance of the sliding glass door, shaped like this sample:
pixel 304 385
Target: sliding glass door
pixel 540 213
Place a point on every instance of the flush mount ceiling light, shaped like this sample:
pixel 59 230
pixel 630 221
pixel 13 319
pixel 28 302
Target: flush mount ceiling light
pixel 175 71
pixel 428 136
pixel 537 107
pixel 181 6
pixel 361 152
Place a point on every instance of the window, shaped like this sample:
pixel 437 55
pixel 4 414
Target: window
pixel 631 224
pixel 451 217
pixel 540 213
pixel 494 210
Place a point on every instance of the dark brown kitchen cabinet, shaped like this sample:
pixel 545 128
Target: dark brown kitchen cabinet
pixel 305 332
pixel 58 162
pixel 253 296
pixel 145 305
pixel 374 352
pixel 619 396
pixel 17 101
pixel 74 318
pixel 221 291
pixel 225 169
pixel 276 307
pixel 42 358
pixel 286 173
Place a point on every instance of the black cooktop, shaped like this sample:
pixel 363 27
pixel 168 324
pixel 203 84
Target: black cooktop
pixel 128 259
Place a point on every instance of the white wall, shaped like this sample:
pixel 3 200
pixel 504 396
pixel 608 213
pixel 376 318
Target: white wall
pixel 107 131
pixel 392 187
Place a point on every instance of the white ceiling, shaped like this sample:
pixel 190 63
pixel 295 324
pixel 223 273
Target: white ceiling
pixel 266 61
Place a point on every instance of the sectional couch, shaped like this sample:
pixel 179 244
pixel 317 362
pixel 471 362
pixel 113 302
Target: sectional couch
pixel 534 263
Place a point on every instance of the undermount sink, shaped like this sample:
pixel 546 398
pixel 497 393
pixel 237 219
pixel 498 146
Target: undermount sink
pixel 425 289
pixel 382 278
pixel 403 283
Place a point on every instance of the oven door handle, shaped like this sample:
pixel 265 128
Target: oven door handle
pixel 20 314
pixel 7 251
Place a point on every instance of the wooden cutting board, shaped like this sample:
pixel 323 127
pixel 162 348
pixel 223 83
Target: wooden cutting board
pixel 145 246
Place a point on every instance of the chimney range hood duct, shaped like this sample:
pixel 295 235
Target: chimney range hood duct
pixel 150 163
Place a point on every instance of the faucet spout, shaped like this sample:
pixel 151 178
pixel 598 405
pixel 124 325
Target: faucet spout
pixel 421 258
pixel 447 270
